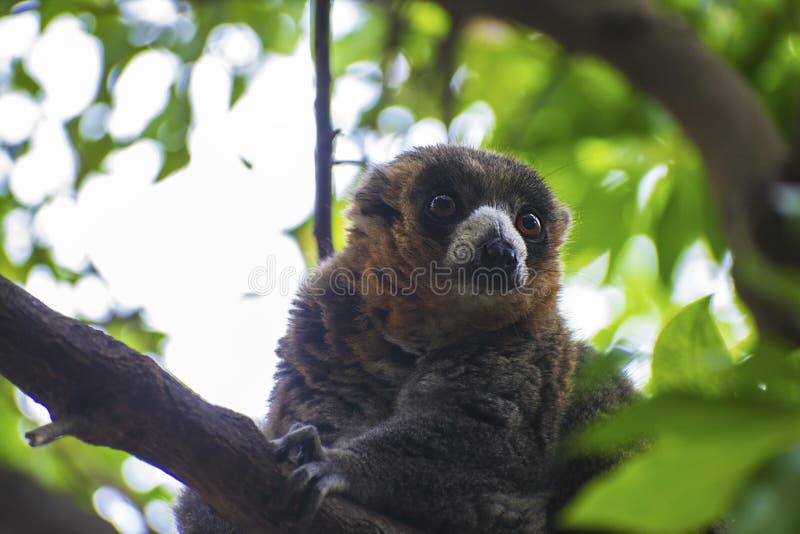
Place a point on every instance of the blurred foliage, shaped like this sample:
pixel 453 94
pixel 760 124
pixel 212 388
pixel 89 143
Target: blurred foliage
pixel 718 429
pixel 68 465
pixel 707 428
pixel 689 354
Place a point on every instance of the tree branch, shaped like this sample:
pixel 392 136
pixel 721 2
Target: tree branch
pixel 743 150
pixel 322 113
pixel 104 393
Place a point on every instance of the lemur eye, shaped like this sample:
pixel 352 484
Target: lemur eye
pixel 442 206
pixel 529 225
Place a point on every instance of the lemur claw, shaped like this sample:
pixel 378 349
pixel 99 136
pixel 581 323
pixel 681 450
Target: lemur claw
pixel 308 485
pixel 305 438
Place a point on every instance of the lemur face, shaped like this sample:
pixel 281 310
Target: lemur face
pixel 487 219
pixel 489 216
pixel 481 231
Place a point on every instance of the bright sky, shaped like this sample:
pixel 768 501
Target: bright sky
pixel 185 249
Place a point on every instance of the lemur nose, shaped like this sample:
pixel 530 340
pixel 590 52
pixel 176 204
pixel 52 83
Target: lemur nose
pixel 499 253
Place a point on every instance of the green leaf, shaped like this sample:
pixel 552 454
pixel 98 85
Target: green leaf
pixel 700 454
pixel 690 353
pixel 429 18
pixel 364 44
pixel 239 87
pixel 770 502
pixel 170 129
pixel 173 160
pixel 134 332
pixel 303 234
pixel 22 80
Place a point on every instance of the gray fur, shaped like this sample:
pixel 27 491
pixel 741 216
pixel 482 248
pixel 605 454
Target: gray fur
pixel 446 412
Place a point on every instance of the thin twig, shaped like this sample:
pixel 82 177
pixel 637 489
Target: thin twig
pixel 359 162
pixel 322 111
pixel 51 431
pixel 446 64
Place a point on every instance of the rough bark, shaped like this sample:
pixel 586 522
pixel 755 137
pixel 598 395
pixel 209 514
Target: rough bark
pixel 105 393
pixel 743 151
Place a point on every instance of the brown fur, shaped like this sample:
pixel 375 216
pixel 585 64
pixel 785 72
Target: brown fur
pixel 464 397
pixel 354 351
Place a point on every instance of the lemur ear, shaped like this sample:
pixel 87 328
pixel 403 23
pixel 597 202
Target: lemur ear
pixel 563 222
pixel 566 216
pixel 369 199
